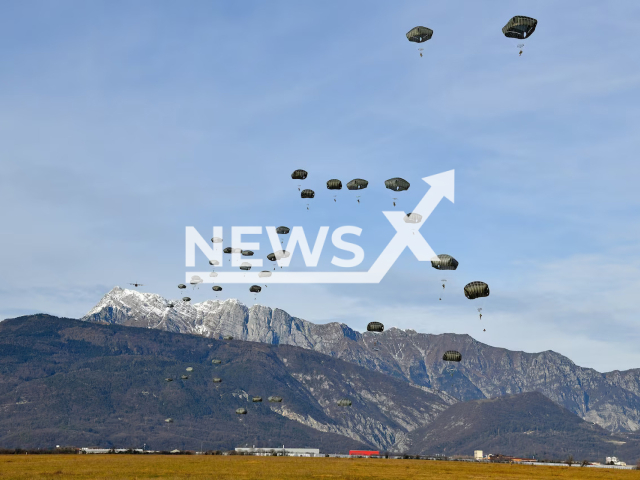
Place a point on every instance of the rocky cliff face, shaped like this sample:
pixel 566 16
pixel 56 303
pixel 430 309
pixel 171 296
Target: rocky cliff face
pixel 611 400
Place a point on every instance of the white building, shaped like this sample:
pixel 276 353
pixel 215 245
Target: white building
pixel 289 452
pixel 615 461
pixel 477 454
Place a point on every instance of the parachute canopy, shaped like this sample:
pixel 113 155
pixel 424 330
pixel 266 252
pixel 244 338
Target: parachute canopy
pixel 375 327
pixel 195 280
pixel 256 399
pixel 345 402
pixel 451 356
pixel 189 369
pixel 520 27
pixel 186 299
pixel 271 257
pixel 169 420
pixel 357 184
pixel 444 262
pixel 213 274
pixel 227 337
pixel 334 184
pixel 255 289
pixel 412 218
pixel 241 411
pixel 299 175
pixel 476 290
pixel 217 380
pixel 397 184
pixel 184 377
pixel 216 288
pixel 216 240
pixel 168 379
pixel 307 193
pixel 280 254
pixel 215 361
pixel 182 285
pixel 275 399
pixel 245 266
pixel 265 273
pixel 419 34
pixel 214 262
pixel 247 253
pixel 170 305
pixel 227 250
pixel 282 230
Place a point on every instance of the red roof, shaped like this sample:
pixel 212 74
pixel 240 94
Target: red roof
pixel 364 452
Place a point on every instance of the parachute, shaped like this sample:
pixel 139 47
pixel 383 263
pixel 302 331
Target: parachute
pixel 357 184
pixel 184 377
pixel 189 369
pixel 299 175
pixel 280 254
pixel 475 290
pixel 271 257
pixel 227 337
pixel 181 286
pixel 265 273
pixel 444 262
pixel 169 420
pixel 170 305
pixel 247 253
pixel 520 27
pixel 215 361
pixel 375 327
pixel 256 399
pixel 186 299
pixel 217 380
pixel 227 250
pixel 282 230
pixel 255 289
pixel 216 288
pixel 241 411
pixel 419 34
pixel 451 356
pixel 397 184
pixel 216 240
pixel 213 274
pixel 334 184
pixel 214 262
pixel 307 193
pixel 345 402
pixel 275 399
pixel 195 280
pixel 412 218
pixel 245 266
pixel 168 379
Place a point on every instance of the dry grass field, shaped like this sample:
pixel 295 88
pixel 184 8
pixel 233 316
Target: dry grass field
pixel 231 467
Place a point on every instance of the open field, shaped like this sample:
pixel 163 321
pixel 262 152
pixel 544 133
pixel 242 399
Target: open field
pixel 232 467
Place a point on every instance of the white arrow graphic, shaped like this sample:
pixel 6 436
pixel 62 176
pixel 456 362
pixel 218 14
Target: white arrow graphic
pixel 407 235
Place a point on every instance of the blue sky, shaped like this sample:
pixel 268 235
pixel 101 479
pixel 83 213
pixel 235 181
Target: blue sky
pixel 121 123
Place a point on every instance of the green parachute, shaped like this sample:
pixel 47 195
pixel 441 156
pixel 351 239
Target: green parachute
pixel 444 262
pixel 451 356
pixel 375 327
pixel 475 290
pixel 419 34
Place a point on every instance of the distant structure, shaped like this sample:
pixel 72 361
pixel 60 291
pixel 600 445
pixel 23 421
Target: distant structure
pixel 477 454
pixel 614 461
pixel 286 452
pixel 363 453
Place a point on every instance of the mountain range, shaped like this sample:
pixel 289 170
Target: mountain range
pixel 611 400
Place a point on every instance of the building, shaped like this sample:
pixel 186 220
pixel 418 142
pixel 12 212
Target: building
pixel 363 453
pixel 477 454
pixel 614 461
pixel 288 452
